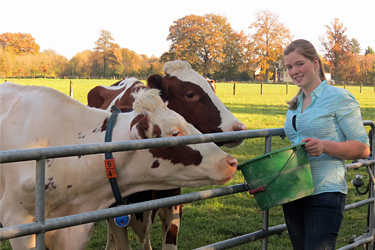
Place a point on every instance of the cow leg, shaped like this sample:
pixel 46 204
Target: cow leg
pixel 170 218
pixel 117 237
pixel 141 224
pixel 26 242
pixel 9 218
pixel 72 238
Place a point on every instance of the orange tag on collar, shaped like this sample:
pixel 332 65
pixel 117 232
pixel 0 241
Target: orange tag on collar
pixel 110 168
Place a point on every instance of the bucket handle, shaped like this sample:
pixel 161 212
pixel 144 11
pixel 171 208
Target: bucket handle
pixel 263 188
pixel 259 189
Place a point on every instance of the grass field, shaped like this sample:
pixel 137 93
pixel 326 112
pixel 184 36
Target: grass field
pixel 218 219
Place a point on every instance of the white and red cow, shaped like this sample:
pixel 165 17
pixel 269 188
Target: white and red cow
pixel 33 117
pixel 192 96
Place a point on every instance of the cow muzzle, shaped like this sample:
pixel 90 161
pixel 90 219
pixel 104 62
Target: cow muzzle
pixel 235 143
pixel 228 168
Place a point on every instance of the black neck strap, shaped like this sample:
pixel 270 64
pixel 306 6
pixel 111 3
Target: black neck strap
pixel 109 161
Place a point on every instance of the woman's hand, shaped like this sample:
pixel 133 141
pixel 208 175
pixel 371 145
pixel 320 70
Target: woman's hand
pixel 313 146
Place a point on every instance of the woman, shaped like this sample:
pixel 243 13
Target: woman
pixel 329 120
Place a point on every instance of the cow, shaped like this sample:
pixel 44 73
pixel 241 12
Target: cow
pixel 36 117
pixel 193 97
pixel 187 92
pixel 213 83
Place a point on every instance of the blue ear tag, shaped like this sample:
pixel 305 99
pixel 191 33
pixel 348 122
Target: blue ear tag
pixel 122 221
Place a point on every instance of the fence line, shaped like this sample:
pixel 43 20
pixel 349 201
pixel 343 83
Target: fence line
pixel 287 87
pixel 41 154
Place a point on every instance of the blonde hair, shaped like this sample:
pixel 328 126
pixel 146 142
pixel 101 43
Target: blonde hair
pixel 305 49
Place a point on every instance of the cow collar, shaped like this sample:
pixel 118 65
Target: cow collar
pixel 110 168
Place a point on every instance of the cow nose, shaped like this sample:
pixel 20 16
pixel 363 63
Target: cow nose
pixel 232 161
pixel 239 127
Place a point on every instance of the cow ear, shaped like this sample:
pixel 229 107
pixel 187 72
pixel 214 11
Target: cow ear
pixel 94 97
pixel 155 81
pixel 142 128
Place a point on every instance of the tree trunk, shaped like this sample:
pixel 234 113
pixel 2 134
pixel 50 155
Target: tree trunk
pixel 266 76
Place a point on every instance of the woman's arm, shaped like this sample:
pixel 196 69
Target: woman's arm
pixel 347 150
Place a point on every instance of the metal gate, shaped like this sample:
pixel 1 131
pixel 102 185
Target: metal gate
pixel 41 225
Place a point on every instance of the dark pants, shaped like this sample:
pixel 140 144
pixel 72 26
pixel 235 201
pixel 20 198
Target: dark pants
pixel 314 222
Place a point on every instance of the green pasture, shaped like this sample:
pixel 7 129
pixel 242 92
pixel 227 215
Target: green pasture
pixel 218 219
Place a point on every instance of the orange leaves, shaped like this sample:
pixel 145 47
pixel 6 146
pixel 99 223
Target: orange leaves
pixel 19 43
pixel 269 39
pixel 201 40
pixel 336 48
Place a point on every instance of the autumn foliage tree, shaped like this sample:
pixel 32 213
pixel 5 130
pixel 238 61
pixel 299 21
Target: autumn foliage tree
pixel 336 47
pixel 367 66
pixel 108 59
pixel 80 64
pixel 268 40
pixel 20 56
pixel 234 63
pixel 107 51
pixel 19 43
pixel 200 40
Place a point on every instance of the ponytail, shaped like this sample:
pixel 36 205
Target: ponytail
pixel 321 70
pixel 293 104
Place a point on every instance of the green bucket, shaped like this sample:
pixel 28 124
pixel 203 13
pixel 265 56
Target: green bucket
pixel 279 177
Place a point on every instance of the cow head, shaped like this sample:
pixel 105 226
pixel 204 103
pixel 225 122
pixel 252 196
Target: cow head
pixel 119 94
pixel 183 165
pixel 192 96
pixel 153 118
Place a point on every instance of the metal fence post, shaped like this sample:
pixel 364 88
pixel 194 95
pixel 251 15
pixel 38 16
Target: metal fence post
pixel 371 216
pixel 40 201
pixel 71 89
pixel 265 213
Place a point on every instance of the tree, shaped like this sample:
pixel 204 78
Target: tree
pixel 19 43
pixel 267 42
pixel 351 69
pixel 200 40
pixel 105 48
pixel 369 50
pixel 354 46
pixel 6 62
pixel 131 62
pixel 336 47
pixel 234 60
pixel 367 65
pixel 80 64
pixel 187 36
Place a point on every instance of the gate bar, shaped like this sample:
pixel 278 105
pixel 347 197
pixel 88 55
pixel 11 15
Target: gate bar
pixel 106 147
pixel 40 201
pixel 361 242
pixel 77 219
pixel 261 234
pixel 271 231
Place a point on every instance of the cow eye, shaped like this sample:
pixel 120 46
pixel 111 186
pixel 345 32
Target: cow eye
pixel 190 95
pixel 175 133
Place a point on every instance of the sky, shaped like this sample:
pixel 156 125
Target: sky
pixel 72 26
